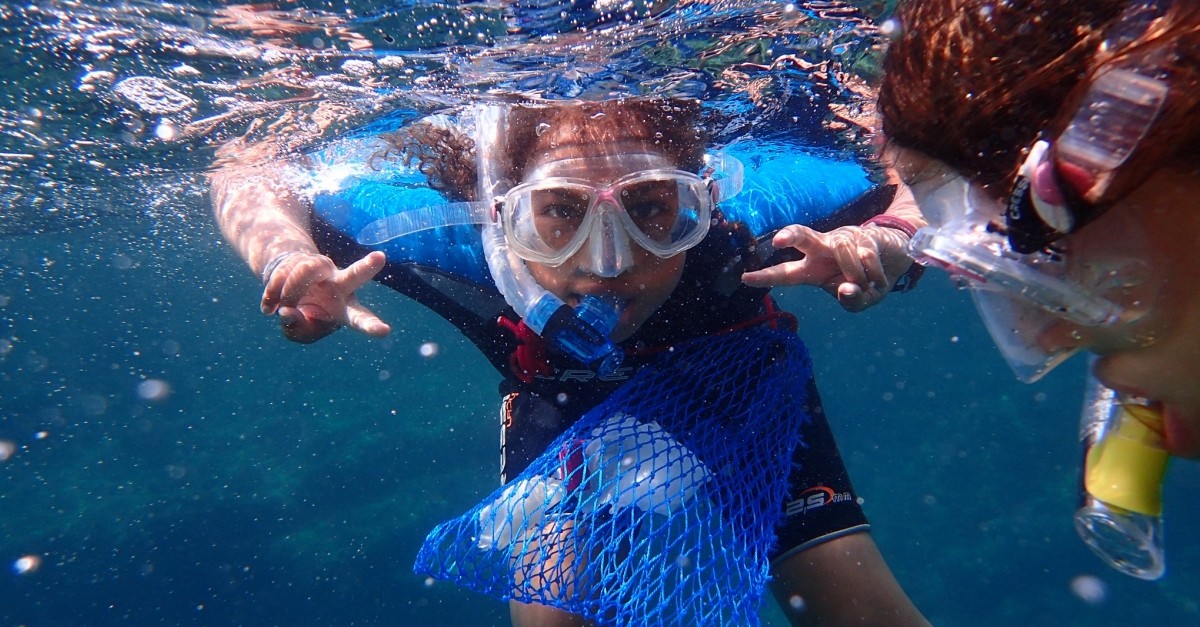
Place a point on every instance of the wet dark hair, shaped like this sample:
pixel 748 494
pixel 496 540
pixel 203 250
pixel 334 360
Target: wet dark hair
pixel 445 154
pixel 973 82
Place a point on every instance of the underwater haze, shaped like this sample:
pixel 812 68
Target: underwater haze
pixel 168 458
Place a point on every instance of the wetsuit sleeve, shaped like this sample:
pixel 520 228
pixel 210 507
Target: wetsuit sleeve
pixel 821 504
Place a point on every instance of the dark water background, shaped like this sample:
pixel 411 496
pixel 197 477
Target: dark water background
pixel 278 484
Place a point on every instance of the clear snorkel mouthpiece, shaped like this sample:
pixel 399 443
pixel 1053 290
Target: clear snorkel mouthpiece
pixel 1120 513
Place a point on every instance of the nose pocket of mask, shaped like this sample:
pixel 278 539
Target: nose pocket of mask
pixel 608 251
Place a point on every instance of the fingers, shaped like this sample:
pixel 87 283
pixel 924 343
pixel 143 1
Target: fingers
pixel 360 272
pixel 288 283
pixel 365 321
pixel 846 253
pixel 305 324
pixel 846 262
pixel 853 297
pixel 313 298
pixel 799 272
pixel 303 274
pixel 799 237
pixel 789 273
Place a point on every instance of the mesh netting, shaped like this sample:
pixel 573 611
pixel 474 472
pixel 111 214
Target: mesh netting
pixel 658 507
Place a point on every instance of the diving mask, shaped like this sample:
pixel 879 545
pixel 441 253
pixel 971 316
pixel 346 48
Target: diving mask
pixel 1044 306
pixel 561 208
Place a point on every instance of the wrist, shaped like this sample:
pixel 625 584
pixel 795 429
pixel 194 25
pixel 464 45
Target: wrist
pixel 892 222
pixel 275 262
pixel 907 280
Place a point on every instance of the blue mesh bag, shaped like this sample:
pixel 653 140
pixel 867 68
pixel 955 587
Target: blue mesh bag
pixel 658 507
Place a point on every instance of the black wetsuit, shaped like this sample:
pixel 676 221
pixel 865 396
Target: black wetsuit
pixel 710 297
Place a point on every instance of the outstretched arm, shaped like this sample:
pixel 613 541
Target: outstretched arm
pixel 842 582
pixel 268 226
pixel 858 265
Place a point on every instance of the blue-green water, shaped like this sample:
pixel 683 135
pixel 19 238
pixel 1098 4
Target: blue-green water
pixel 275 484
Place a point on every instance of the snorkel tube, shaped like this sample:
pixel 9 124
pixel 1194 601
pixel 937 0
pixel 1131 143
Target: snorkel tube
pixel 1120 513
pixel 582 332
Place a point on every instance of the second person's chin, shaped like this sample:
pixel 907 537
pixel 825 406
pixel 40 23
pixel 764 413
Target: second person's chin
pixel 1182 430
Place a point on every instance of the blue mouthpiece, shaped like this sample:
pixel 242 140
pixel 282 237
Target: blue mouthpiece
pixel 583 333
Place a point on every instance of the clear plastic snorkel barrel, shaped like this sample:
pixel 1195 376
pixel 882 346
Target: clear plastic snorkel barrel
pixel 582 332
pixel 1120 512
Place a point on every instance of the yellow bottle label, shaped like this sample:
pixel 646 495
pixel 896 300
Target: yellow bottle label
pixel 1125 469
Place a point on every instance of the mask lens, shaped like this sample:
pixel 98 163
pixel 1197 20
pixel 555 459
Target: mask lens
pixel 665 212
pixel 544 219
pixel 558 214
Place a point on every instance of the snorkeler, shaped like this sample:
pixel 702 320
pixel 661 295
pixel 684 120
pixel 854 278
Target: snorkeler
pixel 582 249
pixel 1056 160
pixel 1088 172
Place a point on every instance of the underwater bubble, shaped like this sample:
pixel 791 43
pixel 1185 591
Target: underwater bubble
pixel 152 95
pixel 6 347
pixel 429 349
pixel 562 398
pixel 429 581
pixel 166 131
pixel 26 564
pixel 384 375
pixel 890 28
pixel 358 67
pixel 318 43
pixel 170 347
pixel 174 471
pixel 274 57
pixel 4 300
pixel 154 390
pixel 797 602
pixel 41 435
pixel 122 262
pixel 7 450
pixel 541 128
pixel 1090 589
pixel 184 69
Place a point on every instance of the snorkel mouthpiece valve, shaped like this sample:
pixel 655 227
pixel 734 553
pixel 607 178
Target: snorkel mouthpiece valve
pixel 1120 514
pixel 583 332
